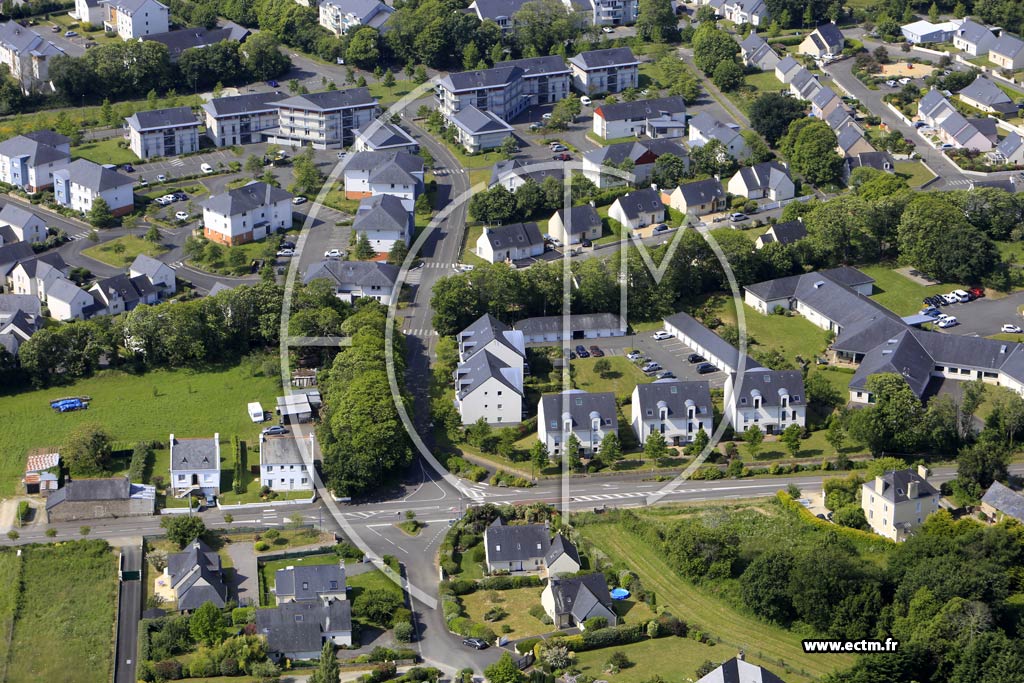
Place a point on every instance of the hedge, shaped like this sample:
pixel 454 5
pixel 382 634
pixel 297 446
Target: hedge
pixel 526 645
pixel 788 503
pixel 505 582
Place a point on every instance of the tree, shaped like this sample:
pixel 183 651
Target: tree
pixel 254 165
pixel 153 234
pixel 86 451
pixel 327 670
pixel 814 153
pixel 376 605
pixel 728 75
pixel 669 171
pixel 851 516
pixel 764 585
pixel 262 57
pixel 836 434
pixel 206 625
pixel 772 113
pixel 364 250
pixel 504 670
pixel 891 423
pixel 565 112
pixel 711 47
pixel 713 158
pixel 603 367
pixel 655 447
pixel 495 206
pixel 100 215
pixel 753 437
pixel 399 252
pixel 307 177
pixel 933 13
pixel 655 20
pixel 389 79
pixel 610 450
pixel 183 529
pixel 572 451
pixel 790 437
pixel 979 464
pixel 364 48
pixel 508 147
pixel 539 457
pixel 470 56
pixel 935 237
pixel 838 231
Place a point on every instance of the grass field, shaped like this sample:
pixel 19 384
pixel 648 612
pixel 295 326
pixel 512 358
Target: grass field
pixel 517 602
pixel 184 402
pixel 10 576
pixel 105 152
pixel 916 173
pixel 793 335
pixel 620 380
pixel 778 648
pixel 133 246
pixel 65 625
pixel 901 294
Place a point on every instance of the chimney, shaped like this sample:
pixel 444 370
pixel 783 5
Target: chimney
pixel 912 490
pixel 922 471
pixel 879 485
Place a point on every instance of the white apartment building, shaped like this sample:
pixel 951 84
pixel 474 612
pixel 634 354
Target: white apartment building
pixel 132 19
pixel 284 461
pixel 27 56
pixel 678 410
pixel 589 416
pixel 78 184
pixel 163 132
pixel 325 120
pixel 247 214
pixel 242 119
pixel 770 400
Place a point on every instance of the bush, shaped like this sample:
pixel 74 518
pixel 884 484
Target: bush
pixel 495 614
pixel 229 666
pixel 401 616
pixel 240 616
pixel 271 534
pixel 670 625
pixel 526 644
pixel 169 670
pixel 595 623
pixel 624 634
pixel 502 583
pixel 348 551
pixel 537 612
pixel 404 632
pixel 261 546
pixel 460 586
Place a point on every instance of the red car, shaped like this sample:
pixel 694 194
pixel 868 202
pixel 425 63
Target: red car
pixel 977 291
pixel 562 157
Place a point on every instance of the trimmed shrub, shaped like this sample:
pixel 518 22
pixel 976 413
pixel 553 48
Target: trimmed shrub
pixel 240 616
pixel 502 583
pixel 623 634
pixel 526 645
pixel 404 632
pixel 595 623
pixel 401 616
pixel 169 670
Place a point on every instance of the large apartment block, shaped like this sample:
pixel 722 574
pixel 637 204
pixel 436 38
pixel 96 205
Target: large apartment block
pixel 163 132
pixel 507 89
pixel 242 119
pixel 26 55
pixel 605 71
pixel 132 19
pixel 325 120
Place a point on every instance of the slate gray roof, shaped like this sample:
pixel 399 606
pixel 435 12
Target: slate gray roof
pixel 641 109
pixel 828 36
pixel 517 542
pixel 581 219
pixel 382 212
pixel 37 153
pixel 676 396
pixel 391 166
pixel 975 33
pixel 848 137
pixel 495 77
pixel 194 454
pixel 709 340
pixel 11 304
pixel 838 118
pixel 823 97
pixel 245 198
pixel 12 254
pixel 384 136
pixel 846 275
pixel 243 104
pixel 752 43
pixel 582 407
pixel 196 576
pixel 1008 46
pixel 986 92
pixel 130 6
pixel 713 129
pixel 787 64
pixel 538 66
pixel 360 273
pixel 196 37
pixel 83 490
pixel 285 450
pixel 786 232
pixel 368 12
pixel 560 545
pixel 901 355
pixel 579 595
pixel 157 119
pixel 95 177
pixel 49 137
pixel 634 203
pixel 579 321
pixel 1009 145
pixel 771 386
pixel 493 9
pixel 147 265
pixel 635 150
pixel 896 486
pixel 329 100
pixel 21 40
pixel 485 329
pixel 602 59
pixel 481 367
pixel 308 582
pixel 878 160
pixel 1005 500
pixel 806 84
pixel 302 626
pixel 766 175
pixel 739 671
pixel 477 122
pixel 702 191
pixel 13 214
pixel 131 289
pixel 62 289
pixel 513 235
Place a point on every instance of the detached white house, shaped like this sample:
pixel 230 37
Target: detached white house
pixel 195 465
pixel 385 221
pixel 638 209
pixel 515 547
pixel 67 301
pixel 159 274
pixel 571 601
pixel 29 161
pixel 247 214
pixel 827 39
pixel 77 186
pixel 283 462
pixel 582 223
pixel 511 243
pixel 24 224
pixel 698 197
pixel 605 71
pixel 898 502
pixel 354 279
pixel 678 410
pixel 132 19
pixel 589 416
pixel 89 12
pixel 488 387
pixel 769 180
pixel 400 174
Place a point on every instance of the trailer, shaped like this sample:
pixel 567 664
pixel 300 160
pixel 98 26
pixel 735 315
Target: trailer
pixel 69 404
pixel 256 413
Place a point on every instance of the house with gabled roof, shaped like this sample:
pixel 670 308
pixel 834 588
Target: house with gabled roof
pixel 851 142
pixel 400 174
pixel 1007 52
pixel 786 69
pixel 610 70
pixel 657 118
pixel 1001 502
pixel 354 279
pixel 197 38
pixel 985 95
pixel 839 119
pixel 590 416
pixel 29 161
pixel 924 31
pixel 511 243
pixel 581 223
pixel 195 466
pixel 571 601
pixel 897 502
pixel 246 214
pixel 736 670
pixel 638 209
pixel 321 583
pixel 804 84
pixel 478 131
pixel 27 56
pixel 122 293
pixel 20 318
pixel 11 254
pixel 383 136
pixel 755 52
pixel 739 12
pixel 768 180
pixel 515 547
pixel 770 400
pixel 677 410
pixel 196 576
pixel 973 38
pixel 163 132
pixel 785 233
pixel 704 128
pixel 487 333
pixel 641 155
pixel 298 630
pixel 83 499
pixel 698 197
pixel 132 19
pixel 489 388
pixel 513 174
pixel 824 102
pixel 1010 150
pixel 878 160
pixel 68 301
pixel 285 461
pixel 24 224
pixel 827 39
pixel 562 557
pixel 33 276
pixel 159 274
pixel 80 183
pixel 385 221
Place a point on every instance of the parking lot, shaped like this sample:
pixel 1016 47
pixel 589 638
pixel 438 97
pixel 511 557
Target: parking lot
pixel 984 317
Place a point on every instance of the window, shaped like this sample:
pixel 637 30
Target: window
pixel 270 468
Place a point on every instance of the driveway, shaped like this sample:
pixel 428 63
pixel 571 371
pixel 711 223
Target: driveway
pixel 245 580
pixel 984 317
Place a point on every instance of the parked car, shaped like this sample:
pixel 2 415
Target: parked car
pixel 1013 329
pixel 333 253
pixel 581 351
pixel 206 168
pixel 546 117
pixel 891 83
pixel 557 147
pixel 634 355
pixel 919 124
pixel 70 34
pixel 476 643
pixel 978 292
pixel 586 244
pixel 706 368
pixel 962 295
pixel 695 358
pixel 562 157
pixel 128 168
pixel 668 374
pixel 272 83
pixel 951 298
pixel 179 196
pixel 930 310
pixel 275 430
pixel 181 215
pixel 661 335
pixel 659 228
pixel 571 353
pixel 287 244
pixel 948 321
pixel 737 216
pixel 143 182
pixel 651 368
pixel 607 29
pixel 596 352
pixel 298 200
pixel 55 29
pixel 161 177
pixel 286 252
pixel 586 101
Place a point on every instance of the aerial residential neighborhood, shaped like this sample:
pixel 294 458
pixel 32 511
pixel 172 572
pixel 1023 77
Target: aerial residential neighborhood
pixel 512 341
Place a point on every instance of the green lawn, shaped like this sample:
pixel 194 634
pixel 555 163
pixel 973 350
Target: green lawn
pixel 469 246
pixel 388 96
pixel 105 152
pixel 10 575
pixel 470 570
pixel 764 81
pixel 702 610
pixel 517 602
pixel 623 376
pixel 793 335
pixel 68 602
pixel 133 246
pixel 137 407
pixel 915 172
pixel 899 293
pixel 269 569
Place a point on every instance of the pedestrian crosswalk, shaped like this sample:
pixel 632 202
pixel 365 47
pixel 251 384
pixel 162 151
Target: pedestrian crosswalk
pixel 175 265
pixel 358 515
pixel 177 162
pixel 958 181
pixel 610 496
pixel 419 332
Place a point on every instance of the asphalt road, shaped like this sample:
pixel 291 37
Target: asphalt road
pixel 128 615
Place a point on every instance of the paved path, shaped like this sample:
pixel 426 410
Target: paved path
pixel 129 611
pixel 246 575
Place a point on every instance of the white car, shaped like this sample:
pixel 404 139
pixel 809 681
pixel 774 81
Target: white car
pixel 948 321
pixel 161 177
pixel 298 200
pixel 546 117
pixel 634 355
pixel 607 29
pixel 585 101
pixel 181 215
pixel 463 267
pixel 206 168
pixel 903 81
pixel 661 335
pixel 333 253
pixel 951 298
pixel 891 84
pixel 286 252
pixel 1013 329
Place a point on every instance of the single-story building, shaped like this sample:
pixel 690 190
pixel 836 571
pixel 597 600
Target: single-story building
pixel 82 499
pixel 552 328
pixel 583 223
pixel 510 243
pixel 570 602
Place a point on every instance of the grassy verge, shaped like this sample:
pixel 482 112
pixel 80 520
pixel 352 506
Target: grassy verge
pixel 10 578
pixel 916 173
pixel 122 251
pixel 516 603
pixel 899 293
pixel 185 402
pixel 68 599
pixel 105 152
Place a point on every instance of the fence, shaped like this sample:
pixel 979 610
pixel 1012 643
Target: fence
pixel 244 506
